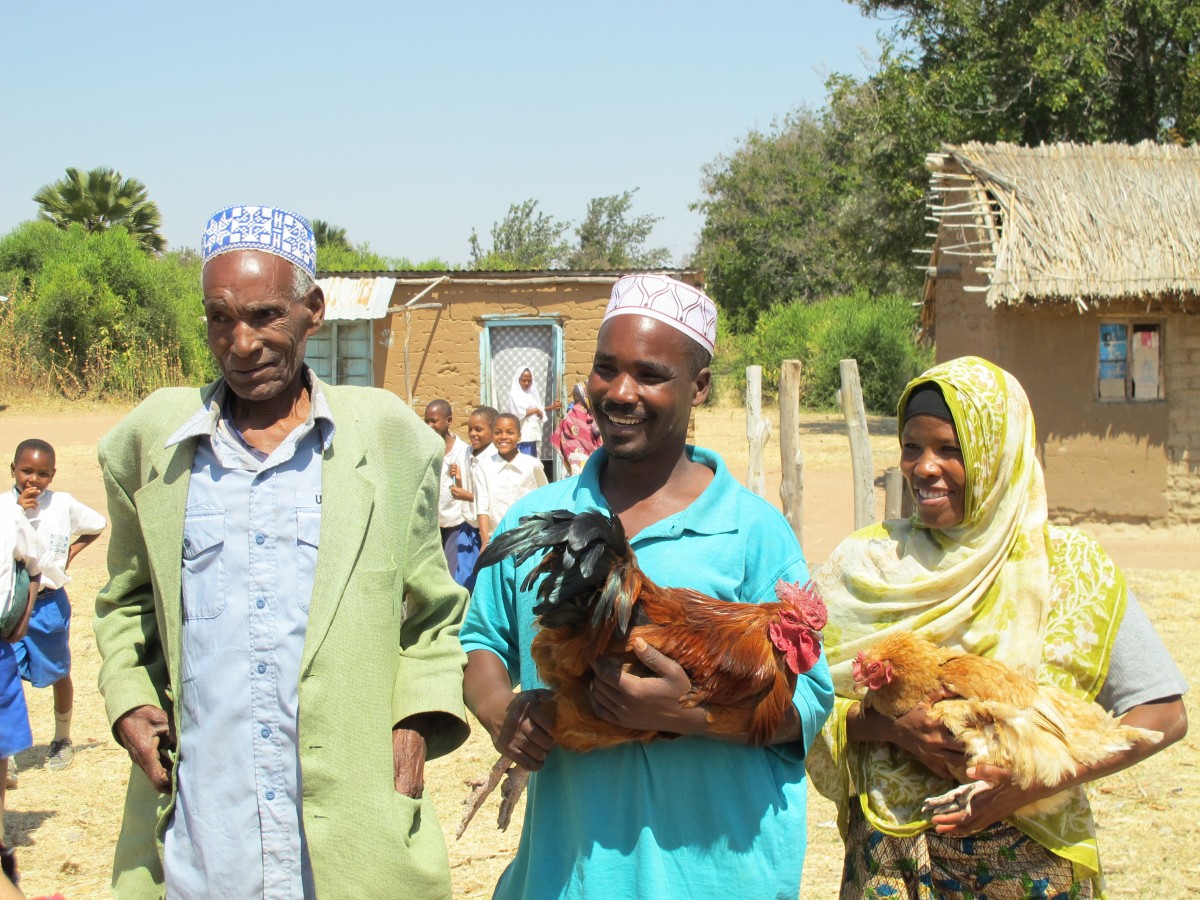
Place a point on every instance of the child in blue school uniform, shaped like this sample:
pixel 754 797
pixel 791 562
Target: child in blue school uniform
pixel 66 526
pixel 22 557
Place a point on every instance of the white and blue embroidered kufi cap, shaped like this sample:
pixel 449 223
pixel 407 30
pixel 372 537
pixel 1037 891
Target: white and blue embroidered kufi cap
pixel 670 301
pixel 264 228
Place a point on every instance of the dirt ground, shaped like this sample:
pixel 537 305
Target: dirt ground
pixel 64 825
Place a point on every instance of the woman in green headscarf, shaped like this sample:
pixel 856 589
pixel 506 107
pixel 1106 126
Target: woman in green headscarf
pixel 977 567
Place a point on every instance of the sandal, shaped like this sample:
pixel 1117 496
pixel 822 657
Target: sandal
pixel 8 863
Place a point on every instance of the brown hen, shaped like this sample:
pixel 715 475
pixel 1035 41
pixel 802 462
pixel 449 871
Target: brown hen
pixel 1040 733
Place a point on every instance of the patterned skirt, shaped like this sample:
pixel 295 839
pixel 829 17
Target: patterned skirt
pixel 999 863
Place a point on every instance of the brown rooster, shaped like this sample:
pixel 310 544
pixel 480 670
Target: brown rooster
pixel 1040 733
pixel 594 602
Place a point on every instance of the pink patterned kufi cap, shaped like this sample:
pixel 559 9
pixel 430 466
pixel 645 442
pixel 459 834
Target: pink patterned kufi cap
pixel 668 300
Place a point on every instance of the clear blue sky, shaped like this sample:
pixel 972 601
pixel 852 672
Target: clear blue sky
pixel 408 123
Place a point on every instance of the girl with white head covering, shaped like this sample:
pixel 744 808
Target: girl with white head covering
pixel 525 402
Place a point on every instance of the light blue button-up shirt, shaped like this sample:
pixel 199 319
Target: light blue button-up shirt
pixel 251 534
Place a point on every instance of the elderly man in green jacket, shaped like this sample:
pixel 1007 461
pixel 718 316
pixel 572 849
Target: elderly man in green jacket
pixel 279 629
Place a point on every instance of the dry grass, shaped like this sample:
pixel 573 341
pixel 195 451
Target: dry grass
pixel 64 825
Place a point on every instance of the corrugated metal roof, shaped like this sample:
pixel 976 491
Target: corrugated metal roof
pixel 356 298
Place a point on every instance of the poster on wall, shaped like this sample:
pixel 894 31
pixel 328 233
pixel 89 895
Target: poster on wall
pixel 1144 363
pixel 1113 361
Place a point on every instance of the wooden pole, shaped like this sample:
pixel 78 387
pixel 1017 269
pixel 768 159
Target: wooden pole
pixel 851 401
pixel 758 430
pixel 897 502
pixel 893 492
pixel 407 371
pixel 791 487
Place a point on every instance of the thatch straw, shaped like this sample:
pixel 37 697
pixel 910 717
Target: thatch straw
pixel 1071 222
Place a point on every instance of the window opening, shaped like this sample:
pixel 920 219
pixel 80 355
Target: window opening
pixel 1130 361
pixel 340 353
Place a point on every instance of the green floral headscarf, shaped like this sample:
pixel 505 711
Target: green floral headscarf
pixel 1002 584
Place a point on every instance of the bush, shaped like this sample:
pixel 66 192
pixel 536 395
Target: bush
pixel 98 315
pixel 361 258
pixel 879 332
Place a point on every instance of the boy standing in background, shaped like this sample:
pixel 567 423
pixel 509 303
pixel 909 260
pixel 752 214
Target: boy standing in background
pixel 511 474
pixel 472 488
pixel 452 511
pixel 66 526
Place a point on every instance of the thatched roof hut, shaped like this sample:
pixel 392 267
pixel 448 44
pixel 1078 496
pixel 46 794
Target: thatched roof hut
pixel 1073 222
pixel 1077 268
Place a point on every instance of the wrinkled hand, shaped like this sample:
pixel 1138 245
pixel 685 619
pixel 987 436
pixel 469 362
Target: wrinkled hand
pixel 646 702
pixel 146 732
pixel 998 802
pixel 929 740
pixel 408 761
pixel 525 735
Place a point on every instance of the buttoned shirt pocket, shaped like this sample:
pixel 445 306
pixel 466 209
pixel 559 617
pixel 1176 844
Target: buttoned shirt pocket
pixel 203 569
pixel 308 542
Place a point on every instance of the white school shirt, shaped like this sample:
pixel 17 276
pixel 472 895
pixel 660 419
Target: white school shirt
pixel 510 480
pixel 476 481
pixel 59 519
pixel 452 512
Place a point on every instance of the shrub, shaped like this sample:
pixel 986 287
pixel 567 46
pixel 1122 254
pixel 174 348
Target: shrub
pixel 879 332
pixel 100 315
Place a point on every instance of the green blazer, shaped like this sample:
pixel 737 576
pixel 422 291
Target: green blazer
pixel 382 640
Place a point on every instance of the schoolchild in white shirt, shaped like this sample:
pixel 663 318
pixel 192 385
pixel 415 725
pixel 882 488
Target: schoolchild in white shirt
pixel 473 487
pixel 511 474
pixel 452 512
pixel 66 526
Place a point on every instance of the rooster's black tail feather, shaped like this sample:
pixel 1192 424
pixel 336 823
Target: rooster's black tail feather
pixel 579 576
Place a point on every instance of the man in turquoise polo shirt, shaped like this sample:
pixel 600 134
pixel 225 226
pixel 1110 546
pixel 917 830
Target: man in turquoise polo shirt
pixel 694 817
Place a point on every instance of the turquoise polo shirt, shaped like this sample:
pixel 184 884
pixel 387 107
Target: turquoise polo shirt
pixel 692 817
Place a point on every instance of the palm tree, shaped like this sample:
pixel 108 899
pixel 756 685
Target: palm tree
pixel 99 199
pixel 329 235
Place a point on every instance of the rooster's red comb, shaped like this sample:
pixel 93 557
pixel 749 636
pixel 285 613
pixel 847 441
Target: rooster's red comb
pixel 806 601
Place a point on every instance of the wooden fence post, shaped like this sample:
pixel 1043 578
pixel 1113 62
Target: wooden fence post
pixel 791 487
pixel 851 401
pixel 898 501
pixel 893 493
pixel 758 429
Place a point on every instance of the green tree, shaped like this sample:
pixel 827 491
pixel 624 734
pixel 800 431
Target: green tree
pixel 609 239
pixel 361 258
pixel 1024 71
pixel 1049 70
pixel 329 235
pixel 832 201
pixel 100 198
pixel 771 212
pixel 347 258
pixel 101 314
pixel 525 238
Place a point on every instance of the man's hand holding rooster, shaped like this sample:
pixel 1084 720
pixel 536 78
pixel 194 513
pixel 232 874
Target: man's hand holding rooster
pixel 650 702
